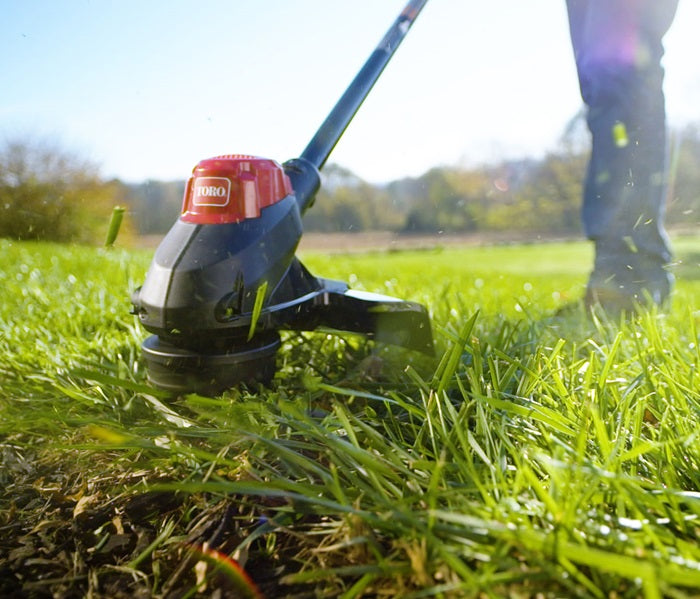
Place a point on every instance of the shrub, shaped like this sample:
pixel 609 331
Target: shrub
pixel 48 193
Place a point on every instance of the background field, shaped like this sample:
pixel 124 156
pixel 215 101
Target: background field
pixel 542 453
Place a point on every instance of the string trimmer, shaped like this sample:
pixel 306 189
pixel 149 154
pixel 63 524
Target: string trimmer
pixel 225 279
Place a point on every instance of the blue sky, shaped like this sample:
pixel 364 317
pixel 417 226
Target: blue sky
pixel 146 88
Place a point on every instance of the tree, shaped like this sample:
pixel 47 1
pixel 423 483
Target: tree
pixel 155 205
pixel 551 199
pixel 346 203
pixel 48 193
pixel 452 201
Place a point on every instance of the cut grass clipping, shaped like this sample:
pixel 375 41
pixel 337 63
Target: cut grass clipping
pixel 538 455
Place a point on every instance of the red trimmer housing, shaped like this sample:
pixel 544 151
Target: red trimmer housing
pixel 232 188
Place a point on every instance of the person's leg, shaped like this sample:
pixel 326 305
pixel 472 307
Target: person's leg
pixel 618 50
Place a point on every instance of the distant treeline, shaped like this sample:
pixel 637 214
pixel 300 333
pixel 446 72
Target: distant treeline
pixel 525 195
pixel 48 195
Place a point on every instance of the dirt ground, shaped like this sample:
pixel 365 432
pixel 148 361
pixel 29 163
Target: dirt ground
pixel 388 241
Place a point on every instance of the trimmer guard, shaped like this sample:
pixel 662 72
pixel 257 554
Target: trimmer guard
pixel 327 305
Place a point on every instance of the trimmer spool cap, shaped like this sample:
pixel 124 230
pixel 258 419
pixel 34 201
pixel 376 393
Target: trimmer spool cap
pixel 177 369
pixel 232 188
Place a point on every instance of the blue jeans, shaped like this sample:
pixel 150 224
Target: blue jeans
pixel 618 49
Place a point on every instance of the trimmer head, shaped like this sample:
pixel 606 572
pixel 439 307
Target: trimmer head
pixel 179 369
pixel 225 279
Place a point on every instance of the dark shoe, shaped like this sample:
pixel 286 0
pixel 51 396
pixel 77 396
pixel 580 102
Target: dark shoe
pixel 628 291
pixel 626 277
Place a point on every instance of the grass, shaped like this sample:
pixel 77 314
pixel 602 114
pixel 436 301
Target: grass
pixel 539 455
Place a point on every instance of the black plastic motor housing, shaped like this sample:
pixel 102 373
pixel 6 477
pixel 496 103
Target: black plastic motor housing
pixel 205 276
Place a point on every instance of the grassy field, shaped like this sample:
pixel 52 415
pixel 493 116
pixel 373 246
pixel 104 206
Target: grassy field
pixel 541 454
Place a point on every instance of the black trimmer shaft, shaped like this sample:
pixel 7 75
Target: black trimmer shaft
pixel 332 129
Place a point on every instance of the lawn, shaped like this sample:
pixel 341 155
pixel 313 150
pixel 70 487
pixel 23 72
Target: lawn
pixel 543 453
